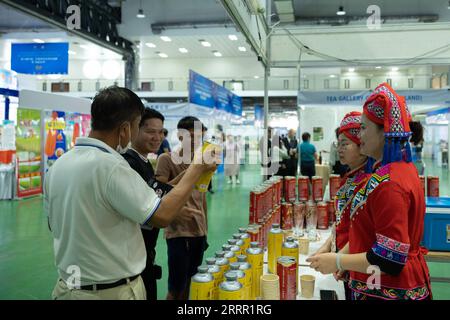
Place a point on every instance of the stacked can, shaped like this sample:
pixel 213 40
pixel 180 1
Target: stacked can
pixel 230 289
pixel 235 246
pixel 289 189
pixel 286 215
pixel 202 285
pixel 322 215
pixel 331 212
pixel 317 188
pixel 245 237
pixel 303 188
pixel 422 182
pixel 222 262
pixel 335 183
pixel 235 267
pixel 274 247
pixel 228 253
pixel 247 268
pixel 255 256
pixel 217 274
pixel 433 186
pixel 287 272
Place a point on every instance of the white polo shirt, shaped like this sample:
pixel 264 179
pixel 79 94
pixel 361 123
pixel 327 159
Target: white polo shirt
pixel 96 202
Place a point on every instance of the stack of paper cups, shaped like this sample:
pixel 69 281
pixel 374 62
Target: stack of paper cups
pixel 270 287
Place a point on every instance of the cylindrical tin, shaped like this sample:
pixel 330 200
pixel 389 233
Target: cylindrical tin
pixel 287 271
pixel 222 262
pixel 258 203
pixel 433 186
pixel 274 247
pixel 255 256
pixel 335 183
pixel 245 237
pixel 235 247
pixel 289 189
pixel 230 289
pixel 286 216
pixel 252 207
pixel 277 214
pixel 317 187
pixel 247 268
pixel 239 242
pixel 228 253
pixel 422 182
pixel 322 216
pixel 235 267
pixel 331 212
pixel 303 188
pixel 202 285
pixel 217 274
pixel 290 249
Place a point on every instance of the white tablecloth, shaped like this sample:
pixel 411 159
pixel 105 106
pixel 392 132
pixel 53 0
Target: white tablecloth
pixel 323 282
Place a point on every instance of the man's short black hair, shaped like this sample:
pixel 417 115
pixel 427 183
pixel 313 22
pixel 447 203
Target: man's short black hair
pixel 150 113
pixel 165 132
pixel 306 136
pixel 113 106
pixel 188 123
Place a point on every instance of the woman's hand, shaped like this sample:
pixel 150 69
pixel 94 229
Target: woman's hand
pixel 324 263
pixel 340 275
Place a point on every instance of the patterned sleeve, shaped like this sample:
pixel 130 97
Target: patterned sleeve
pixel 388 208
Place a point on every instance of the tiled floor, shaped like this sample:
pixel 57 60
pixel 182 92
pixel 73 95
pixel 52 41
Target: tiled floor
pixel 27 269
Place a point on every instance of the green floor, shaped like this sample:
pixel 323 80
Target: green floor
pixel 27 269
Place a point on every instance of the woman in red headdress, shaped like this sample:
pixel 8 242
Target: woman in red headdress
pixel 384 256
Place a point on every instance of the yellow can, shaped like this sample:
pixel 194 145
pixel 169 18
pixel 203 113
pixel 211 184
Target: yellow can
pixel 247 268
pixel 275 242
pixel 235 267
pixel 228 253
pixel 239 242
pixel 217 274
pixel 255 257
pixel 230 289
pixel 246 238
pixel 204 180
pixel 223 263
pixel 202 285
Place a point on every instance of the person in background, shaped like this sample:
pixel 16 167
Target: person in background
pixel 417 146
pixel 291 144
pixel 308 156
pixel 265 154
pixel 186 235
pixel 336 166
pixel 165 145
pixel 232 160
pixel 147 141
pixel 279 156
pixel 96 203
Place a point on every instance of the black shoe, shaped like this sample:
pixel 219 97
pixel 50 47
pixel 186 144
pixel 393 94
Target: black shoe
pixel 210 191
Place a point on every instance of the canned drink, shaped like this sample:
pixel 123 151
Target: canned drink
pixel 203 182
pixel 247 268
pixel 245 237
pixel 277 214
pixel 322 215
pixel 274 247
pixel 262 230
pixel 335 183
pixel 287 272
pixel 222 262
pixel 255 257
pixel 303 188
pixel 202 285
pixel 230 289
pixel 317 186
pixel 290 248
pixel 422 182
pixel 235 267
pixel 331 212
pixel 433 186
pixel 258 203
pixel 286 216
pixel 289 188
pixel 217 274
pixel 239 242
pixel 228 253
pixel 253 232
pixel 252 207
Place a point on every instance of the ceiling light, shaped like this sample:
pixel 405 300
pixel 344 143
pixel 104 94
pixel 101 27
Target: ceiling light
pixel 40 77
pixel 256 77
pixel 183 50
pixel 71 52
pixel 38 41
pixel 378 67
pixel 351 69
pixel 243 49
pixel 217 53
pixel 140 14
pixel 150 45
pixel 205 43
pixel 84 46
pixel 332 76
pixel 111 69
pixel 54 76
pixel 394 69
pixel 92 69
pixel 341 11
pixel 166 39
pixel 232 37
pixel 163 55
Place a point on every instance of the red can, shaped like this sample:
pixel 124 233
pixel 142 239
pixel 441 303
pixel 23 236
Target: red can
pixel 303 188
pixel 335 183
pixel 322 215
pixel 277 214
pixel 286 216
pixel 258 203
pixel 331 212
pixel 287 272
pixel 433 186
pixel 317 186
pixel 252 207
pixel 252 230
pixel 422 182
pixel 279 187
pixel 289 189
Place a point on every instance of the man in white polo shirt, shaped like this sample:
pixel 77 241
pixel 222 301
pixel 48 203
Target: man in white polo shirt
pixel 96 203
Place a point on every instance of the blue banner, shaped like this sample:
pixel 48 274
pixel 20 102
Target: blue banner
pixel 201 90
pixel 236 104
pixel 223 99
pixel 259 113
pixel 40 58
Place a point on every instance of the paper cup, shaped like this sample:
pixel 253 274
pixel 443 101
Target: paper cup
pixel 303 246
pixel 307 283
pixel 270 287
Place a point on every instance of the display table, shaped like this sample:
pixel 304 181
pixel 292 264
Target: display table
pixel 323 171
pixel 7 179
pixel 323 282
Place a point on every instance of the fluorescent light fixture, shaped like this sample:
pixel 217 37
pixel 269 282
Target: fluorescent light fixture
pixel 232 37
pixel 341 11
pixel 71 52
pixel 243 49
pixel 256 77
pixel 183 50
pixel 394 69
pixel 140 14
pixel 165 39
pixel 378 67
pixel 332 76
pixel 205 43
pixel 150 45
pixel 217 53
pixel 38 41
pixel 351 69
pixel 84 46
pixel 163 55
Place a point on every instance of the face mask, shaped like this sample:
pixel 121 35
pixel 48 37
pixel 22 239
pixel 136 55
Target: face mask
pixel 121 149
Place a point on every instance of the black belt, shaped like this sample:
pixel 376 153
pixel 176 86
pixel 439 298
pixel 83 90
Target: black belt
pixel 104 286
